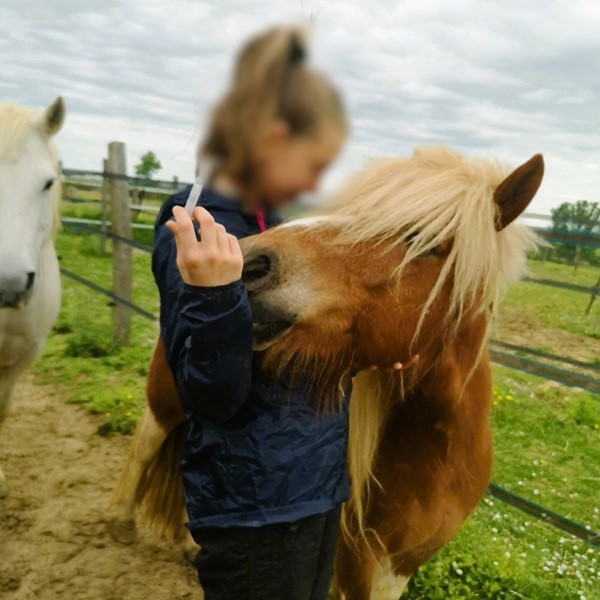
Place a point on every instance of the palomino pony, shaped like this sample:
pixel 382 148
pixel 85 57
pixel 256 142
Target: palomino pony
pixel 29 273
pixel 409 268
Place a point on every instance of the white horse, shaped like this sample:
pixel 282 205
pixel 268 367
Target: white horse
pixel 29 272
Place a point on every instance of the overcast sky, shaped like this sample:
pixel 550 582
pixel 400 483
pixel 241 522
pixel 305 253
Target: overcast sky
pixel 504 78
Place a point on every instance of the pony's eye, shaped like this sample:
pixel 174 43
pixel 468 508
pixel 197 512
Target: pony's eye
pixel 409 240
pixel 48 184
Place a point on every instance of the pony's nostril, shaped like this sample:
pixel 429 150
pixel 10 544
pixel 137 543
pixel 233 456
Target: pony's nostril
pixel 257 268
pixel 30 280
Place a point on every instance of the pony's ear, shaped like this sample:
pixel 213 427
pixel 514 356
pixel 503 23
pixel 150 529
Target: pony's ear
pixel 54 117
pixel 515 193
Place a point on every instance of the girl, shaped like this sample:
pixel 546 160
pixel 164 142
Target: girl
pixel 264 472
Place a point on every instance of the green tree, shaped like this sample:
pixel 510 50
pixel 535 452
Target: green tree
pixel 148 166
pixel 582 217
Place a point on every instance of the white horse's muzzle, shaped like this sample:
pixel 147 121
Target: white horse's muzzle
pixel 16 288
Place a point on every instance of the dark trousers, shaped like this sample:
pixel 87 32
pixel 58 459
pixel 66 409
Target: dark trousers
pixel 286 561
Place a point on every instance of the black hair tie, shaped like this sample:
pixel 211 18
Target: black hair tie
pixel 297 52
pixel 296 57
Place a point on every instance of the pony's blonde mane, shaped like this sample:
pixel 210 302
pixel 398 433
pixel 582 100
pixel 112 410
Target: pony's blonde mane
pixel 432 198
pixel 17 123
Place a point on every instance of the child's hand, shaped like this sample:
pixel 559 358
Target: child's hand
pixel 397 366
pixel 214 260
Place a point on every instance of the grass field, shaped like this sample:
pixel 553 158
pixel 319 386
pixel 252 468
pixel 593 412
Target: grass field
pixel 546 436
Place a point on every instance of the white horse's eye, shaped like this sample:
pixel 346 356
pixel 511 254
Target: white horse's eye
pixel 48 184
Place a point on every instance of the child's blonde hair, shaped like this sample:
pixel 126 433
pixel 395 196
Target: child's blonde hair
pixel 271 81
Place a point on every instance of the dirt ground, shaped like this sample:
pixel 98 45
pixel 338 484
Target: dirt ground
pixel 523 330
pixel 53 538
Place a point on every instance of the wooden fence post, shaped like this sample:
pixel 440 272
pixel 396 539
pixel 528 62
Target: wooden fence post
pixel 120 226
pixel 577 258
pixel 588 308
pixel 104 199
pixel 175 182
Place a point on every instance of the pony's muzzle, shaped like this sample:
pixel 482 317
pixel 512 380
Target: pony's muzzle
pixel 16 289
pixel 260 276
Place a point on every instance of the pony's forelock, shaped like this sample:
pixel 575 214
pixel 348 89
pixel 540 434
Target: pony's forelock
pixel 16 123
pixel 435 196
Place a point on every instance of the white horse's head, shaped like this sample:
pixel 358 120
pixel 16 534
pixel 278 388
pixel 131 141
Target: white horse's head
pixel 29 195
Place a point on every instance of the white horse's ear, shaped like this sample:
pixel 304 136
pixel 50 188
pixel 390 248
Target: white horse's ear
pixel 53 118
pixel 515 193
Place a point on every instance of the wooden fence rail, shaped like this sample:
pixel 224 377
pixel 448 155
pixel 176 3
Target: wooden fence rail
pixel 117 211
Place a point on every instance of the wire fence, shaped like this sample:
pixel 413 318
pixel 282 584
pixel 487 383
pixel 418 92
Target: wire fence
pixel 529 360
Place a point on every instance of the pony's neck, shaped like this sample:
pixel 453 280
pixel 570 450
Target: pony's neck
pixel 458 376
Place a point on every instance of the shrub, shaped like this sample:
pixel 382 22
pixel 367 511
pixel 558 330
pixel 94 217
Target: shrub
pixel 90 342
pixel 586 412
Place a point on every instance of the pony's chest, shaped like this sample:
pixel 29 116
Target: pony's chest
pixel 15 342
pixel 24 331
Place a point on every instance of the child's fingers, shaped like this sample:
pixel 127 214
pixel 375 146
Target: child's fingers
pixel 397 366
pixel 180 215
pixel 208 232
pixel 185 235
pixel 234 248
pixel 172 227
pixel 222 241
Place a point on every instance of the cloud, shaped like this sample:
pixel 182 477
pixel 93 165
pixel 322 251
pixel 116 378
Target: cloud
pixel 496 79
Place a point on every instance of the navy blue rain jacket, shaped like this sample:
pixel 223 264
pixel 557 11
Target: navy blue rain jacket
pixel 257 453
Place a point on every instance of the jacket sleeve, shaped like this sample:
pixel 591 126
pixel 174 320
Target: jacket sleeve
pixel 215 363
pixel 208 338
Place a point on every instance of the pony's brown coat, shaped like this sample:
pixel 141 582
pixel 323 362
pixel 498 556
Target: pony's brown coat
pixel 409 269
